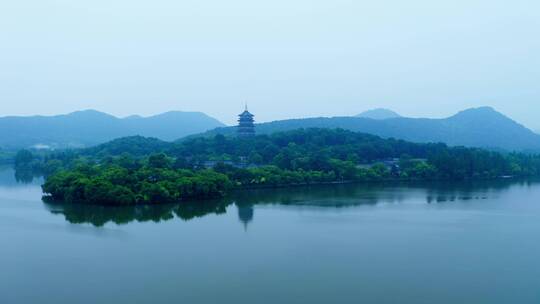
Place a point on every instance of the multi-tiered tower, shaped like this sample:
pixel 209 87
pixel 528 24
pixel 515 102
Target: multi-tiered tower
pixel 246 126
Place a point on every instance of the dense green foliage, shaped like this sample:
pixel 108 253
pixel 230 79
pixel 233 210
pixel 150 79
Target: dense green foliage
pixel 150 182
pixel 308 149
pixel 140 170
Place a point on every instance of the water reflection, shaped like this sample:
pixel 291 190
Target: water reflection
pixel 245 214
pixel 329 196
pixel 101 215
pixel 10 177
pixel 473 190
pixel 24 176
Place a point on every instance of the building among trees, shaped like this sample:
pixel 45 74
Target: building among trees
pixel 246 124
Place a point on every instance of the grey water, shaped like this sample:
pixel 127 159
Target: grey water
pixel 467 242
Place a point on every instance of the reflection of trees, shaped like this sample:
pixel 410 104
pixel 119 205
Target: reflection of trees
pixel 100 215
pixel 191 210
pixel 24 176
pixel 334 196
pixel 450 191
pixel 337 195
pixel 349 195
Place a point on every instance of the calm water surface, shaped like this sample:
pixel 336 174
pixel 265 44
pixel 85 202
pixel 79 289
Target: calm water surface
pixel 415 243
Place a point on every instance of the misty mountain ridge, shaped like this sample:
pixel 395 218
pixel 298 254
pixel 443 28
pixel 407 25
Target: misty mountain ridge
pixel 482 127
pixel 379 114
pixel 91 127
pixel 477 127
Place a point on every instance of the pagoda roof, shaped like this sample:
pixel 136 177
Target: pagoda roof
pixel 246 113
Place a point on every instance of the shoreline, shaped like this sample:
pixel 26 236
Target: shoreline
pixel 388 182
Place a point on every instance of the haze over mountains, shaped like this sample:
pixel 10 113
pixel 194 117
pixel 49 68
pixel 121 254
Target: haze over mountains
pixel 379 114
pixel 88 128
pixel 478 127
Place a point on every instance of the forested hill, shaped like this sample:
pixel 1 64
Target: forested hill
pixel 302 149
pixel 479 127
pixel 88 128
pixel 142 170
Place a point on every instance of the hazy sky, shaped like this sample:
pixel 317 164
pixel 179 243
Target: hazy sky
pixel 287 58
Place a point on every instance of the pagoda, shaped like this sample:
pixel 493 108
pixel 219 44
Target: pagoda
pixel 246 126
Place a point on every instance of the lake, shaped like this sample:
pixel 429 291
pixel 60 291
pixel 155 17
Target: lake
pixel 470 242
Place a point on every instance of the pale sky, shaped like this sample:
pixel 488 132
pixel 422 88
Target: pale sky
pixel 287 58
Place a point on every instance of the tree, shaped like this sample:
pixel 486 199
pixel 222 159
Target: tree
pixel 159 161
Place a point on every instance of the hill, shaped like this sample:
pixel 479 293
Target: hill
pixel 136 146
pixel 478 127
pixel 203 168
pixel 379 114
pixel 87 128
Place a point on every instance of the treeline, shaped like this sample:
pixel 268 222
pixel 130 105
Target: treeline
pixel 141 170
pixel 305 149
pixel 145 182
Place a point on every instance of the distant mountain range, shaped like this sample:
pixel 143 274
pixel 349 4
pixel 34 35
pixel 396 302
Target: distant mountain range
pixel 478 127
pixel 379 114
pixel 88 128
